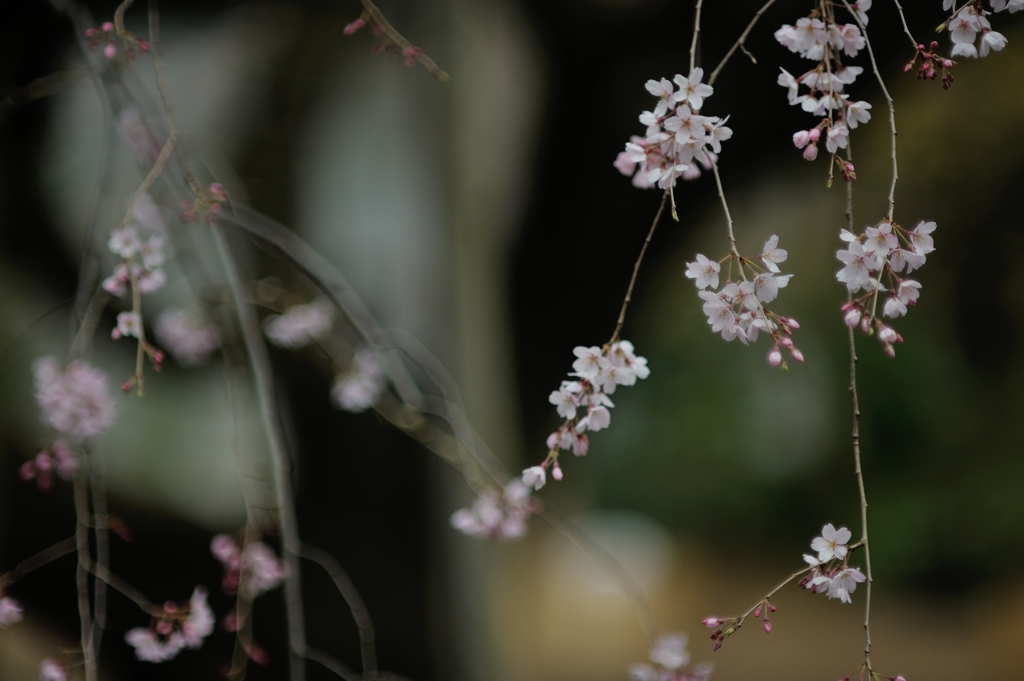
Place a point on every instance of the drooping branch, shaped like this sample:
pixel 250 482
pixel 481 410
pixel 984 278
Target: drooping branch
pixel 636 271
pixel 740 44
pixel 407 47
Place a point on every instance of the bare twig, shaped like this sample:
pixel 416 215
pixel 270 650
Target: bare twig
pixel 102 530
pixel 44 557
pixel 82 574
pixel 367 637
pixel 696 35
pixel 740 44
pixel 728 218
pixel 122 587
pixel 903 18
pixel 775 590
pixel 264 379
pixel 636 271
pixel 399 39
pixel 332 664
pixel 89 321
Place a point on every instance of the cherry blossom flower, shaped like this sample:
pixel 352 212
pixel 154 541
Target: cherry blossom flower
pixel 175 628
pixel 677 141
pixel 844 583
pixel 187 335
pixel 300 325
pixel 10 612
pixel 52 670
pixel 261 569
pixel 832 543
pixel 772 255
pixel 129 324
pixel 534 477
pixel 495 517
pixel 74 400
pixel 704 272
pixel 670 659
pixel 361 386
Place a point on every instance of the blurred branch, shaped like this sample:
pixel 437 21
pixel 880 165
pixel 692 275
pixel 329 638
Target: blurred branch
pixel 41 87
pixel 344 672
pixel 82 573
pixel 740 44
pixel 408 48
pixel 44 557
pixel 102 530
pixel 122 587
pixel 367 636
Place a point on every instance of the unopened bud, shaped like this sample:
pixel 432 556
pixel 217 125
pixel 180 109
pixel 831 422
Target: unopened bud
pixel 110 51
pixel 771 607
pixel 887 335
pixel 947 64
pixel 775 357
pixel 935 44
pixel 906 69
pixel 794 324
pixel 767 627
pixel 899 677
pixel 556 472
pixel 107 26
pixel 757 613
pixel 711 622
pixel 786 342
pixel 813 134
pixel 797 355
pixel 889 350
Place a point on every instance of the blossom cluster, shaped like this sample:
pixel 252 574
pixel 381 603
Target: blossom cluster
pixel 498 517
pixel 883 251
pixel 820 38
pixel 208 204
pixel 188 335
pixel 141 265
pixel 74 399
pixel 830 573
pixel 52 669
pixel 930 61
pixel 107 32
pixel 252 570
pixel 300 325
pixel 174 628
pixel 971 22
pixel 58 459
pixel 677 138
pixel 584 402
pixel 671 659
pixel 738 309
pixel 359 388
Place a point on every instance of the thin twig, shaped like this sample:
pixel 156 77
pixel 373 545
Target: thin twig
pixel 44 557
pixel 636 271
pixel 775 590
pixel 102 530
pixel 740 44
pixel 122 587
pixel 906 29
pixel 89 322
pixel 332 664
pixel 399 39
pixel 696 35
pixel 264 379
pixel 728 219
pixel 82 574
pixel 367 636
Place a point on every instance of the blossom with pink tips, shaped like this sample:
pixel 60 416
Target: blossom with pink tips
pixel 172 633
pixel 74 399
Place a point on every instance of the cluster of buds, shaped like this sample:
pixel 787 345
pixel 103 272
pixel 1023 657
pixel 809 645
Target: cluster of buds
pixel 678 138
pixel 738 310
pixel 830 572
pixel 671 662
pixel 408 53
pixel 108 33
pixel 820 38
pixel 58 459
pixel 971 21
pixel 208 204
pixel 498 517
pixel 930 61
pixel 883 251
pixel 252 570
pixel 174 627
pixel 724 627
pixel 584 402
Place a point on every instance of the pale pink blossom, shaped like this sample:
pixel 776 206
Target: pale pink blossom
pixel 74 400
pixel 52 670
pixel 772 255
pixel 187 335
pixel 10 612
pixel 261 569
pixel 124 241
pixel 705 272
pixel 129 325
pixel 921 238
pixel 832 543
pixel 300 325
pixel 880 240
pixel 844 583
pixel 692 90
pixel 670 652
pixel 361 386
pixel 534 477
pixel 495 517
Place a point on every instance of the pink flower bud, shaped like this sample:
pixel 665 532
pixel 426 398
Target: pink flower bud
pixel 711 622
pixel 110 51
pixel 889 350
pixel 811 152
pixel 354 26
pixel 775 357
pixel 947 64
pixel 920 48
pixel 852 318
pixel 935 44
pixel 556 472
pixel 899 677
pixel 757 613
pixel 164 627
pixel 797 355
pixel 771 607
pixel 27 471
pixel 800 139
pixel 786 342
pixel 767 627
pixel 792 323
pixel 887 335
pixel 44 464
pixel 906 69
pixel 107 26
pixel 553 439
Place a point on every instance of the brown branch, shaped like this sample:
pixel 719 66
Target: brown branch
pixel 636 271
pixel 82 573
pixel 696 36
pixel 740 44
pixel 102 530
pixel 399 39
pixel 44 557
pixel 367 636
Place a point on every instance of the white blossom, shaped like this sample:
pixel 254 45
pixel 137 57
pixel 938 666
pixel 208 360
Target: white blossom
pixel 187 335
pixel 361 386
pixel 534 477
pixel 10 612
pixel 832 543
pixel 74 400
pixel 300 325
